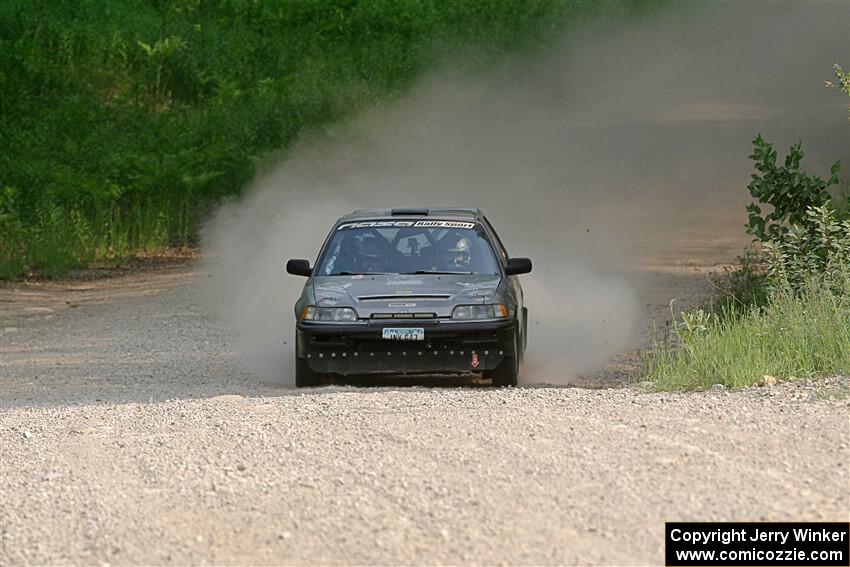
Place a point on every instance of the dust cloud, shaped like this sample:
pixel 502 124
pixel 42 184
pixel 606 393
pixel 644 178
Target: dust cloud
pixel 616 143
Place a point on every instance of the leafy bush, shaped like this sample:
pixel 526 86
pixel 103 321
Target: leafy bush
pixel 818 252
pixel 786 189
pixel 790 194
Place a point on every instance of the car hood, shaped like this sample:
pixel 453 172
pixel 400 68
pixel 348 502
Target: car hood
pixel 393 293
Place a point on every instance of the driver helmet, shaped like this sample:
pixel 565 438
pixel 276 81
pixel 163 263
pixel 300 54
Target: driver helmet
pixel 457 255
pixel 371 255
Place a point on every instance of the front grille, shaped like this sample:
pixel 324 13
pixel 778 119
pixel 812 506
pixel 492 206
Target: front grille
pixel 404 316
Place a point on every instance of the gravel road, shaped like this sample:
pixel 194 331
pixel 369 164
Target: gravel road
pixel 131 433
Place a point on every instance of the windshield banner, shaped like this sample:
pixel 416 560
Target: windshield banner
pixel 407 223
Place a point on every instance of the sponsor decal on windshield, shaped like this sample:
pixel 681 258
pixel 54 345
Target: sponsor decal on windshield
pixel 407 224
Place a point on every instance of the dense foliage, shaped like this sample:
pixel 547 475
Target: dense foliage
pixel 787 190
pixel 818 252
pixel 122 121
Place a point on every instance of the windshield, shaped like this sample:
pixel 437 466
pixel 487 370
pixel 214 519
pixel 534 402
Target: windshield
pixel 407 247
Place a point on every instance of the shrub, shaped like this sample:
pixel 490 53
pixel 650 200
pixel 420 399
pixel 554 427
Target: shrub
pixel 788 191
pixel 818 252
pixel 791 195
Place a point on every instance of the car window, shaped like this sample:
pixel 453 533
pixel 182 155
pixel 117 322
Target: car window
pixel 413 244
pixel 455 248
pixel 500 247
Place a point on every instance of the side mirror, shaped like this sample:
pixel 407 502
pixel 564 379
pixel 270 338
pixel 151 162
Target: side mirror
pixel 299 267
pixel 517 266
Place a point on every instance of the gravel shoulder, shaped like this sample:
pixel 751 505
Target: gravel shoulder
pixel 131 433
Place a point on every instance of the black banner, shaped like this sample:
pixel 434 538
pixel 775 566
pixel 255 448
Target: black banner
pixel 742 544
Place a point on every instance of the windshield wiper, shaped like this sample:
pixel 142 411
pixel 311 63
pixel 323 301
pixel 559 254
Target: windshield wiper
pixel 439 273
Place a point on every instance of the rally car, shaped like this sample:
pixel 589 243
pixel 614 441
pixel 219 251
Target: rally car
pixel 411 291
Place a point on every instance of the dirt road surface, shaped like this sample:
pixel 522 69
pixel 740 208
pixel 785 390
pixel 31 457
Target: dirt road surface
pixel 131 433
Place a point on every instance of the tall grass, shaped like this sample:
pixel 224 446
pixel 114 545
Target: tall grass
pixel 802 330
pixel 803 335
pixel 122 121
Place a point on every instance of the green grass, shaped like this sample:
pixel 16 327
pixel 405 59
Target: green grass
pixel 124 122
pixel 793 335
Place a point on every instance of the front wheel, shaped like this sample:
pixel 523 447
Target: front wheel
pixel 506 373
pixel 304 375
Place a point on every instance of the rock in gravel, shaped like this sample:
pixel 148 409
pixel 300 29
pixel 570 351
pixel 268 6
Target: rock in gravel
pixel 767 381
pixel 227 398
pixel 718 388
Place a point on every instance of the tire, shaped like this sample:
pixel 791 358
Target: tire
pixel 508 370
pixel 524 342
pixel 304 375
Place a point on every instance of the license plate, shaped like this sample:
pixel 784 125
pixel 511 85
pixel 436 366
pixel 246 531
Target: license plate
pixel 403 334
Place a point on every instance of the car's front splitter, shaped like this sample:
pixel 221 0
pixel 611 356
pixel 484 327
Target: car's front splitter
pixel 449 347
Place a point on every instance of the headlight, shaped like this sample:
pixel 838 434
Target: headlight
pixel 480 311
pixel 338 314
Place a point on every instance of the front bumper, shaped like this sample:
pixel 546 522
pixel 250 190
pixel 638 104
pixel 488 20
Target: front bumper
pixel 450 347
